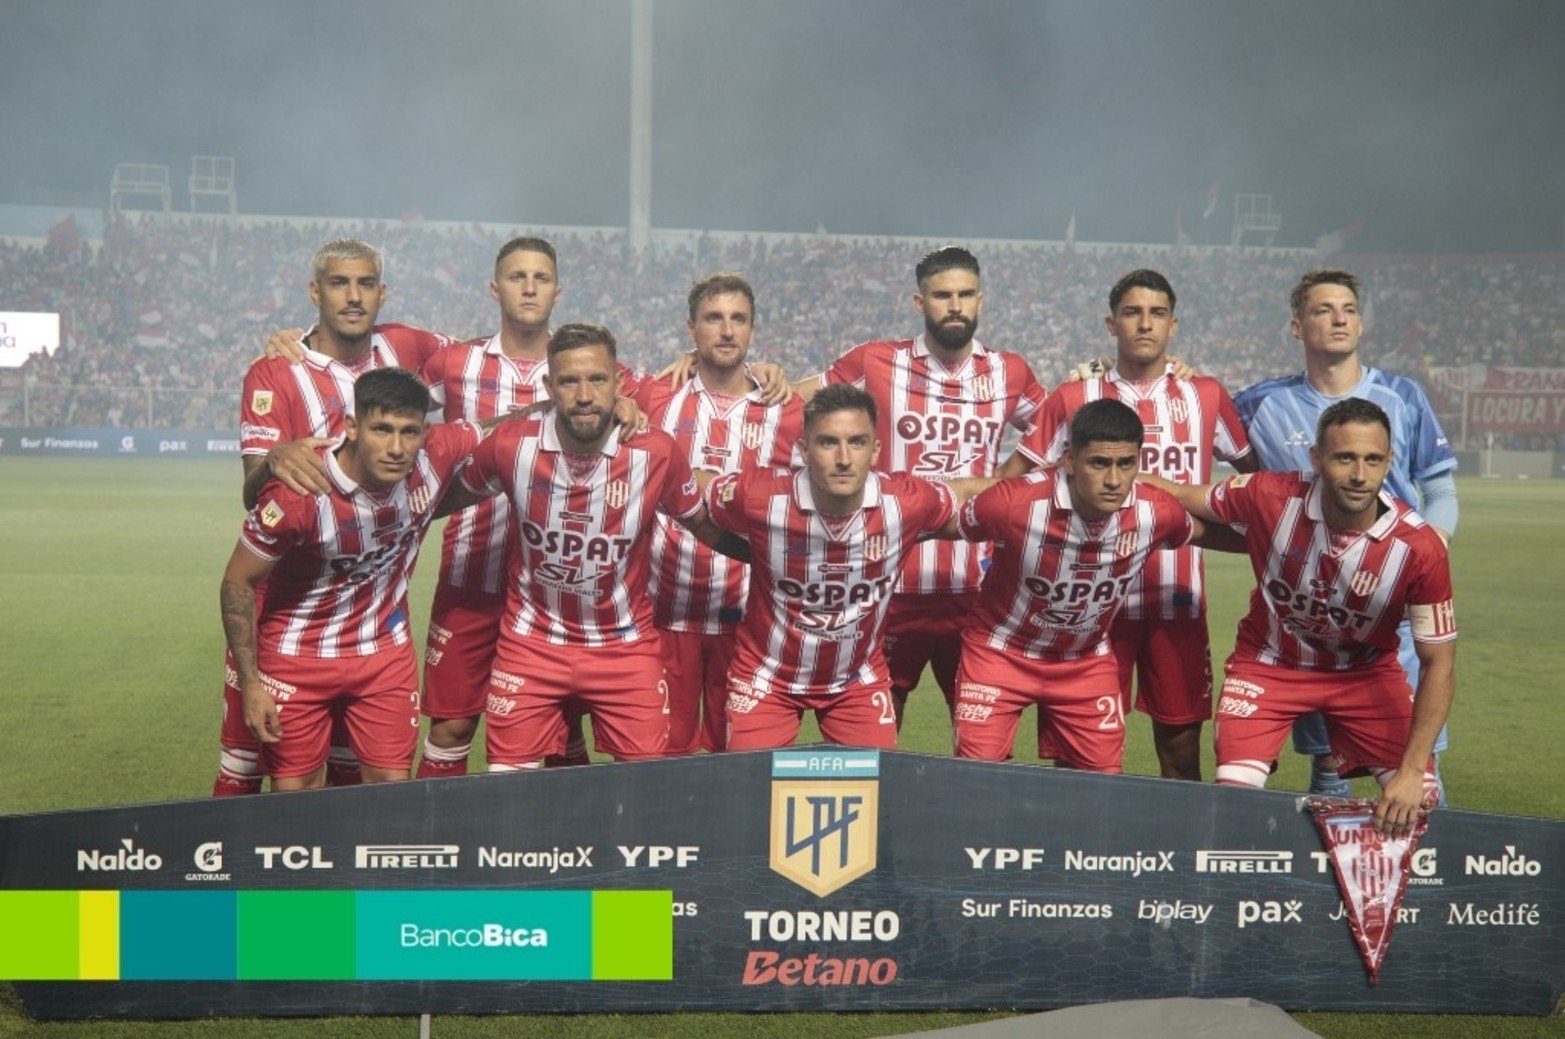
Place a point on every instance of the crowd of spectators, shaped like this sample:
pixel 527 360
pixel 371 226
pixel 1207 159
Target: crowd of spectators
pixel 160 320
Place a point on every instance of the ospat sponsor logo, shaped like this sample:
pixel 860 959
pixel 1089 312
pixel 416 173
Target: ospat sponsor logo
pixel 815 969
pixel 208 859
pixel 1244 861
pixel 1251 912
pixel 406 856
pixel 127 858
pixel 1512 864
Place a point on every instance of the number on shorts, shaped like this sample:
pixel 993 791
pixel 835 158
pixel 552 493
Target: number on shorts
pixel 1113 718
pixel 888 713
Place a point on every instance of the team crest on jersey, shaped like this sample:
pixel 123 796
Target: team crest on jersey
pixel 1364 582
pixel 1125 544
pixel 752 435
pixel 1178 410
pixel 272 514
pixel 875 548
pixel 983 389
pixel 616 494
pixel 418 500
pixel 825 817
pixel 261 402
pixel 1239 481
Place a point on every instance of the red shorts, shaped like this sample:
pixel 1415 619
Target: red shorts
pixel 861 716
pixel 1368 714
pixel 1172 661
pixel 926 630
pixel 464 628
pixel 1080 718
pixel 695 666
pixel 534 684
pixel 376 696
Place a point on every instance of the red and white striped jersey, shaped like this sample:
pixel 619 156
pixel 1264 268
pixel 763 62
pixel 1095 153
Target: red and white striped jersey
pixel 1325 602
pixel 477 381
pixel 343 559
pixel 1057 581
pixel 283 400
pixel 578 573
pixel 693 587
pixel 1188 422
pixel 818 593
pixel 941 424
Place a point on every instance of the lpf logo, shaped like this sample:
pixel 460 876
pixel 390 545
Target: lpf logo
pixel 616 494
pixel 825 822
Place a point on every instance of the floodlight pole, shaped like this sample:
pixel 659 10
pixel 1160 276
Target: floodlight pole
pixel 640 123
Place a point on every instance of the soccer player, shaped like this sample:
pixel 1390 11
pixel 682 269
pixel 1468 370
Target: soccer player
pixel 827 542
pixel 290 409
pixel 945 400
pixel 1280 416
pixel 333 628
pixel 1339 563
pixel 1159 636
pixel 578 622
pixel 1069 542
pixel 477 380
pixel 722 424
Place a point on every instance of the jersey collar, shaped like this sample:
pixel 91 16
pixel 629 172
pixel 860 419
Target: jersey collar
pixel 549 440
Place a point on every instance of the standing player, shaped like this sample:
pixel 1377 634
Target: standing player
pixel 289 410
pixel 478 380
pixel 1280 416
pixel 578 624
pixel 1160 635
pixel 1069 543
pixel 945 400
pixel 827 542
pixel 332 635
pixel 1339 563
pixel 722 425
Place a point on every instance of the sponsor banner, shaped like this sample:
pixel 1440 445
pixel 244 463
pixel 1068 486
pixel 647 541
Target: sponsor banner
pixel 1515 411
pixel 339 935
pixel 124 443
pixel 811 879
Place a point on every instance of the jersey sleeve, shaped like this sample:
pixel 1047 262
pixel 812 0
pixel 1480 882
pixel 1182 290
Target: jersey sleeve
pixel 982 517
pixel 928 504
pixel 279 521
pixel 681 496
pixel 1431 450
pixel 790 431
pixel 1233 500
pixel 482 475
pixel 849 369
pixel 1231 440
pixel 450 444
pixel 725 502
pixel 1430 602
pixel 1045 441
pixel 1031 396
pixel 1174 527
pixel 433 374
pixel 265 410
pixel 413 346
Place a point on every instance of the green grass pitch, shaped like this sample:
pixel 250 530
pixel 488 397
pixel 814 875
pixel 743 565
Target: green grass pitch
pixel 112 649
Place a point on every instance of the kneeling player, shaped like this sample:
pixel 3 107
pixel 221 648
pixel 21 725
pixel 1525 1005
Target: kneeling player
pixel 1339 562
pixel 1068 543
pixel 333 630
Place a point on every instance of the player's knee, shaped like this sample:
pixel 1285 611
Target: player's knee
pixel 452 732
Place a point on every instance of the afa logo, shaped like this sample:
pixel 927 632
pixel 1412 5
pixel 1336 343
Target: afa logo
pixel 825 816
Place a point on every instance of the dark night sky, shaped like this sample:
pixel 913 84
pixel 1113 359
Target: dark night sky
pixel 1441 125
